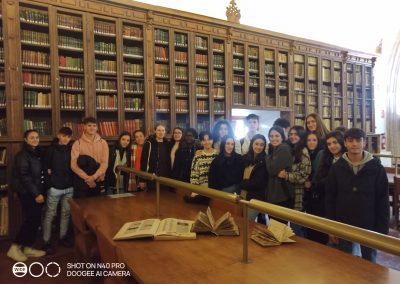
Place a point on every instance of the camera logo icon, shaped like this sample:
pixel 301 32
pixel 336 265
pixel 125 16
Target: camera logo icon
pixel 20 269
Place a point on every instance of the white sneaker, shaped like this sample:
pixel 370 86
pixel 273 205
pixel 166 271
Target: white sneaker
pixel 28 251
pixel 16 254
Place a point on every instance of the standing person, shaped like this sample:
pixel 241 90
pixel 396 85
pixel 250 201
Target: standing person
pixel 137 149
pixel 28 184
pixel 253 123
pixel 221 129
pixel 226 170
pixel 120 154
pixel 285 124
pixel 177 134
pixel 357 192
pixel 156 157
pixel 89 160
pixel 333 150
pixel 254 176
pixel 184 155
pixel 279 191
pixel 200 167
pixel 314 124
pixel 58 173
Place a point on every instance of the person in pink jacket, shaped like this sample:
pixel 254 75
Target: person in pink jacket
pixel 89 160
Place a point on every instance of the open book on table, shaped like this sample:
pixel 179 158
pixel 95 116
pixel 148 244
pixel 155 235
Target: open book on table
pixel 166 229
pixel 275 234
pixel 224 226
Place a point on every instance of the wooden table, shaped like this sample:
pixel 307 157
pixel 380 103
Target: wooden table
pixel 212 259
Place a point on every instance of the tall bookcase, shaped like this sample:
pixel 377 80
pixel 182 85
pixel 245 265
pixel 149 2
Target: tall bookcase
pixel 132 65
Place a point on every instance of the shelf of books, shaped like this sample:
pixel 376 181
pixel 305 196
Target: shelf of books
pixel 106 75
pixel 133 73
pixel 299 89
pixel 71 72
pixel 36 68
pixel 3 114
pixel 219 80
pixel 369 102
pixel 181 80
pixel 312 84
pixel 3 192
pixel 270 77
pixel 202 81
pixel 253 59
pixel 337 104
pixel 239 72
pixel 162 78
pixel 283 79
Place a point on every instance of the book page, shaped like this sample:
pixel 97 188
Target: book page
pixel 175 227
pixel 138 229
pixel 202 223
pixel 210 217
pixel 280 231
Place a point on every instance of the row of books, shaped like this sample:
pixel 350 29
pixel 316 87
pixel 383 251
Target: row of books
pixel 161 71
pixel 70 22
pixel 42 126
pixel 219 107
pixel 105 47
pixel 218 46
pixel 201 42
pixel 253 99
pixel 133 124
pixel 106 85
pixel 160 36
pixel 133 69
pixel 270 100
pixel 108 128
pixel 238 49
pixel 133 32
pixel 201 59
pixel 162 104
pixel 69 62
pixel 70 42
pixel 203 125
pixel 182 105
pixel 181 72
pixel 182 90
pixel 133 86
pixel 134 104
pixel 238 97
pixel 106 28
pixel 102 65
pixel 108 102
pixel 201 74
pixel 218 76
pixel 35 58
pixel 72 101
pixel 33 16
pixel 253 66
pixel 180 39
pixel 202 106
pixel 37 99
pixel 181 57
pixel 252 52
pixel 72 83
pixel 36 79
pixel 161 53
pixel 253 82
pixel 136 51
pixel 77 127
pixel 34 37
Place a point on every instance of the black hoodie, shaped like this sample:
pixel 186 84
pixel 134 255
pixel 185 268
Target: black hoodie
pixel 58 160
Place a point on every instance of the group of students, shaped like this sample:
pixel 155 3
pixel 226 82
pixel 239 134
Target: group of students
pixel 307 169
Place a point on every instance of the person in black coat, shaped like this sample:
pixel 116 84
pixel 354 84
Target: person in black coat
pixel 184 155
pixel 357 192
pixel 255 172
pixel 28 184
pixel 226 170
pixel 156 157
pixel 120 154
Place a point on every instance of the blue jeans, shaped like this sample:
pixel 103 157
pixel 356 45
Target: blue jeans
pixel 54 196
pixel 366 252
pixel 234 188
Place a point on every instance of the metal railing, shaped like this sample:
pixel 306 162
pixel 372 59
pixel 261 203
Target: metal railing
pixel 351 233
pixel 393 157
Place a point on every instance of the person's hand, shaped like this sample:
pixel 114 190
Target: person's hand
pixel 91 184
pixel 282 174
pixel 307 184
pixel 39 199
pixel 90 179
pixel 333 240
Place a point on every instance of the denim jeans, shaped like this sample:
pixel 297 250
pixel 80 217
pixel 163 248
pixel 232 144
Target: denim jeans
pixel 234 188
pixel 54 196
pixel 350 247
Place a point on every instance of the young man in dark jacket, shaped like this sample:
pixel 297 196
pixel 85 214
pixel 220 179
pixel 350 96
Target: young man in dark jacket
pixel 357 192
pixel 58 176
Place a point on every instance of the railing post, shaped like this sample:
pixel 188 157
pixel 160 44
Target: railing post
pixel 245 234
pixel 158 199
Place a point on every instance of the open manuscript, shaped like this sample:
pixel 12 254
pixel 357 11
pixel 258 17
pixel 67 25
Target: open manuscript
pixel 224 226
pixel 275 234
pixel 167 229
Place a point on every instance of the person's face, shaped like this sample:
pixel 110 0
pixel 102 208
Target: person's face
pixel 294 138
pixel 63 139
pixel 160 132
pixel 252 124
pixel 139 138
pixel 189 138
pixel 229 146
pixel 311 124
pixel 275 138
pixel 312 142
pixel 223 130
pixel 90 128
pixel 334 146
pixel 206 142
pixel 354 145
pixel 177 135
pixel 258 146
pixel 124 141
pixel 33 139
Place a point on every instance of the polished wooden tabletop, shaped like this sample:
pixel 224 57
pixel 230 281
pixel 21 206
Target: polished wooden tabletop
pixel 218 259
